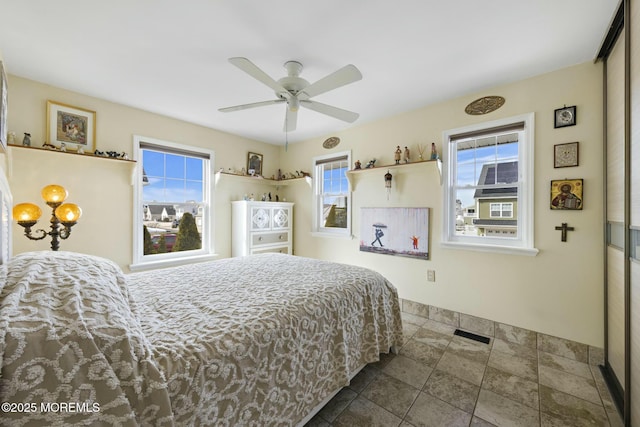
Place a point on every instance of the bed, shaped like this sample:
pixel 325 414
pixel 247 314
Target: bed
pixel 257 341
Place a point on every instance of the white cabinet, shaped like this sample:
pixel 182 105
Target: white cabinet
pixel 259 227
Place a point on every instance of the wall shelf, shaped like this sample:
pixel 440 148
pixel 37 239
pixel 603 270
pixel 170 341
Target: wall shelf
pixel 357 172
pixel 260 180
pixel 70 152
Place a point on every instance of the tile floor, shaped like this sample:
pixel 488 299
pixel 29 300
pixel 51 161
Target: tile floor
pixel 439 379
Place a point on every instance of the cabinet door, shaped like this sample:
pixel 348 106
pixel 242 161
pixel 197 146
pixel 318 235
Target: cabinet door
pixel 281 218
pixel 260 218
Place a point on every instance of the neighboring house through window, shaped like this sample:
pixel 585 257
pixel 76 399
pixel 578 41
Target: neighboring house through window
pixel 332 196
pixel 488 199
pixel 172 206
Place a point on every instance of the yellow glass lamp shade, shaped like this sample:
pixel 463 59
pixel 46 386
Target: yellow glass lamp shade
pixel 54 193
pixel 26 212
pixel 69 212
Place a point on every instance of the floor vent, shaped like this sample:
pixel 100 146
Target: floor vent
pixel 471 336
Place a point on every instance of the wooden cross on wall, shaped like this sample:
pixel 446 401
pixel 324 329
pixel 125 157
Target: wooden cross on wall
pixel 564 228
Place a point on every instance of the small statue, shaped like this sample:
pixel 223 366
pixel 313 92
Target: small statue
pixel 26 141
pixel 434 152
pixel 80 150
pixel 48 146
pixel 63 147
pixel 11 138
pixel 269 196
pixel 371 164
pixel 357 165
pixel 421 149
pixel 406 154
pixel 398 155
pixel 264 197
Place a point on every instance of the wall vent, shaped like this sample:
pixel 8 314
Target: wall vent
pixel 472 336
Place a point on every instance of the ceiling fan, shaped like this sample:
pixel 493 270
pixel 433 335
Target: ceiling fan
pixel 296 91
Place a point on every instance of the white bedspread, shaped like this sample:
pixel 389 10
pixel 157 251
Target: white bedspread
pixel 254 341
pixel 261 340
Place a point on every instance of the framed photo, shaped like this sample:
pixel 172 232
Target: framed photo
pixel 565 116
pixel 565 155
pixel 254 163
pixel 395 231
pixel 4 97
pixel 74 127
pixel 566 194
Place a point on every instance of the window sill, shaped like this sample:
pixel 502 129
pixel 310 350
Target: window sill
pixel 172 262
pixel 509 250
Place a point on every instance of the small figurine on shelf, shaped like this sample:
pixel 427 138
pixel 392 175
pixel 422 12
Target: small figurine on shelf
pixel 26 141
pixel 434 152
pixel 11 138
pixel 421 149
pixel 80 150
pixel 357 165
pixel 279 174
pixel 63 147
pixel 406 154
pixel 269 196
pixel 124 156
pixel 264 197
pixel 48 146
pixel 371 164
pixel 398 155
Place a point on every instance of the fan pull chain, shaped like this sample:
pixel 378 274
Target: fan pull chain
pixel 286 131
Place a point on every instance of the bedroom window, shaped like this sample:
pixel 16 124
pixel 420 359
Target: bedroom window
pixel 488 199
pixel 332 196
pixel 172 210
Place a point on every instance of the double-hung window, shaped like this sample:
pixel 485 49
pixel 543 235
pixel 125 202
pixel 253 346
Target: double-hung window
pixel 332 196
pixel 488 170
pixel 172 208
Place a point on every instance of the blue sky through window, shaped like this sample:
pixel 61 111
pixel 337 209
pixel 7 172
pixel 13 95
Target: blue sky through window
pixel 470 162
pixel 335 180
pixel 172 178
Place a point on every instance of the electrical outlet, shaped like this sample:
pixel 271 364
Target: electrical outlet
pixel 431 275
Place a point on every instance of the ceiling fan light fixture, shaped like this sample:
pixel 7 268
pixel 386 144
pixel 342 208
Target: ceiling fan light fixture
pixel 294 104
pixel 294 90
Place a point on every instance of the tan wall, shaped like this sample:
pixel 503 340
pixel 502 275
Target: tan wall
pixel 103 187
pixel 559 291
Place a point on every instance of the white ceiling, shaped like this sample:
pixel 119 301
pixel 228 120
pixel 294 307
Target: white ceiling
pixel 170 57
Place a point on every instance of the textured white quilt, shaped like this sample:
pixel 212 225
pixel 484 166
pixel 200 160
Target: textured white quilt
pixel 255 341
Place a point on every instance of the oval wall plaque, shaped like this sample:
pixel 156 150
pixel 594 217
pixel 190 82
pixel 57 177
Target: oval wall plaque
pixel 331 142
pixel 484 105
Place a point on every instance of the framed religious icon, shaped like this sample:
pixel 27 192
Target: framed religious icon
pixel 566 194
pixel 254 164
pixel 565 116
pixel 565 155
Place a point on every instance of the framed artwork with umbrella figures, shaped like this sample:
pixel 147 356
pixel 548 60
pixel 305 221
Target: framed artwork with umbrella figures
pixel 395 231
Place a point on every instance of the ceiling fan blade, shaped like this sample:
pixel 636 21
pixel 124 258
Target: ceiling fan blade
pixel 338 113
pixel 252 69
pixel 252 105
pixel 290 120
pixel 344 76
